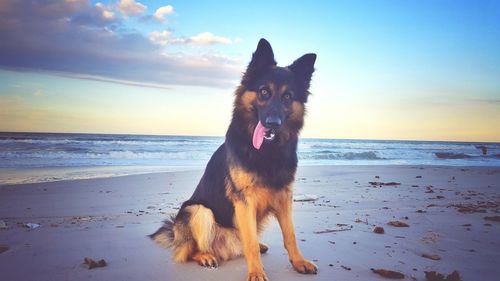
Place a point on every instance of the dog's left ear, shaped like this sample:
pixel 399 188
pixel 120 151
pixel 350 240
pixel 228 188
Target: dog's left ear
pixel 303 69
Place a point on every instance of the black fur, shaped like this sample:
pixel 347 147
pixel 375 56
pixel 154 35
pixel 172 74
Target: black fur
pixel 275 163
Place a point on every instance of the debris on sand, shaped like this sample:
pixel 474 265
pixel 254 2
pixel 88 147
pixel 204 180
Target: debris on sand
pixel 94 264
pixel 494 218
pixel 379 183
pixel 3 225
pixel 3 248
pixel 388 273
pixel 479 207
pixel 436 276
pixel 345 267
pixel 379 230
pixel 341 227
pixel 305 197
pixel 398 224
pixel 431 237
pixel 31 225
pixel 431 257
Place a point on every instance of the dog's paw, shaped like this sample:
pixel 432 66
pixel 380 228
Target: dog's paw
pixel 263 248
pixel 206 260
pixel 257 276
pixel 305 267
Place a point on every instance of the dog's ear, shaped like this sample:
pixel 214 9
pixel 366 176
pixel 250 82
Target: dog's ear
pixel 262 58
pixel 303 69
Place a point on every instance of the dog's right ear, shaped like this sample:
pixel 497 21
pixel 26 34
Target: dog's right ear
pixel 262 59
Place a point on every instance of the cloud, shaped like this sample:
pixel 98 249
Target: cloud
pixel 164 38
pixel 160 37
pixel 105 12
pixel 205 38
pixel 76 39
pixel 131 8
pixel 162 11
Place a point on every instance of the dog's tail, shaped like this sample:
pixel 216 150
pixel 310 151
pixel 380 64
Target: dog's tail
pixel 165 234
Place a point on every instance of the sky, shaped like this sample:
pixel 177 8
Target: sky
pixel 408 70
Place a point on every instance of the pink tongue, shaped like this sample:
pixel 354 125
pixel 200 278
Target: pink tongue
pixel 258 135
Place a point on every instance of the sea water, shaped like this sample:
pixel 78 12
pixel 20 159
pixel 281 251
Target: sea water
pixel 38 157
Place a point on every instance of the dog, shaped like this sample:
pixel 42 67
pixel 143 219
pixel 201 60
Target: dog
pixel 249 178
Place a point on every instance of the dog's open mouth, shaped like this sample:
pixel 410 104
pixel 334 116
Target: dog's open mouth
pixel 270 134
pixel 261 134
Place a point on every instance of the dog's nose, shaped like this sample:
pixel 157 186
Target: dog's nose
pixel 273 122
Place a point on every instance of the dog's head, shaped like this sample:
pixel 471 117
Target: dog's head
pixel 271 99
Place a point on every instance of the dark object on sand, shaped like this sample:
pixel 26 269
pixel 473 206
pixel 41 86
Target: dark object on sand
pixel 450 155
pixel 93 264
pixel 431 257
pixel 379 183
pixel 494 218
pixel 379 230
pixel 388 273
pixel 345 267
pixel 3 248
pixel 436 276
pixel 398 224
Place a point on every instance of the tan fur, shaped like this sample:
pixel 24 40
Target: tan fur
pixel 202 224
pixel 203 237
pixel 253 204
pixel 244 103
pixel 298 112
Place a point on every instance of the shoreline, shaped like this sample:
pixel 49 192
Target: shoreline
pixel 22 176
pixel 109 218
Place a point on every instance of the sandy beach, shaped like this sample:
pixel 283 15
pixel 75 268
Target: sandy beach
pixel 109 218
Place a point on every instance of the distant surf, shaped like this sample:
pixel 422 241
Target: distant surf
pixel 67 156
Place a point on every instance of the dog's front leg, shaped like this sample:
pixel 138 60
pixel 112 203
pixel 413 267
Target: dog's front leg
pixel 284 216
pixel 246 221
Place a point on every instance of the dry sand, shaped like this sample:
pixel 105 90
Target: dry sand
pixel 109 219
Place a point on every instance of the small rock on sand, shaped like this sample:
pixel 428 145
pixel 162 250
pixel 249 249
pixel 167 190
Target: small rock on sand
pixel 388 273
pixel 93 264
pixel 398 224
pixel 431 257
pixel 436 276
pixel 379 230
pixel 3 225
pixel 493 218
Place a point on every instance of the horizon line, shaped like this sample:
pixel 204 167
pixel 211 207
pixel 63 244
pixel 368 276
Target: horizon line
pixel 183 135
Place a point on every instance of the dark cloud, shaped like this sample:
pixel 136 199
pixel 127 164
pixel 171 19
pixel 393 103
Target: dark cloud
pixel 76 38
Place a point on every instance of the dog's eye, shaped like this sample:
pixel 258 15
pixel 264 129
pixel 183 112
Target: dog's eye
pixel 287 95
pixel 264 94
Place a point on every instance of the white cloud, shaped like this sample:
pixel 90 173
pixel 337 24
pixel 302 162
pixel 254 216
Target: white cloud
pixel 105 13
pixel 160 37
pixel 162 11
pixel 76 41
pixel 208 38
pixel 130 7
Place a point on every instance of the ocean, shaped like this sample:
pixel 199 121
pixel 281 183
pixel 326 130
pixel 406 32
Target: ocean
pixel 40 157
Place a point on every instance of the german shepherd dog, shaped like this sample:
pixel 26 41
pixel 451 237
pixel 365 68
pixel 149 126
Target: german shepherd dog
pixel 249 178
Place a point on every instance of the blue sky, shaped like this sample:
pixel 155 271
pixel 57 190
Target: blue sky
pixel 385 69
